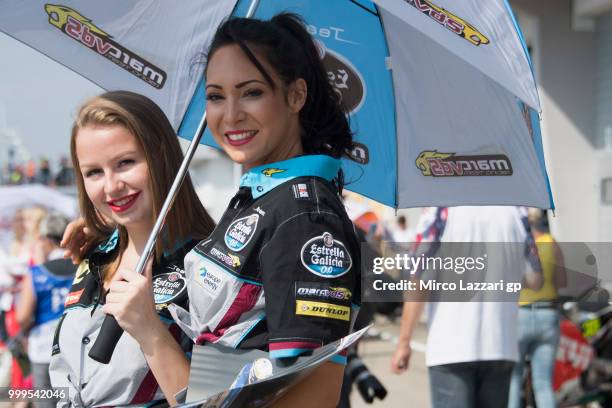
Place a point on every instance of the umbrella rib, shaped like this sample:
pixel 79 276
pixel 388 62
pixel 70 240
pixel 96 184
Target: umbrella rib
pixel 364 7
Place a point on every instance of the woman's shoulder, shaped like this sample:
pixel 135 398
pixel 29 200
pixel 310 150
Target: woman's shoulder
pixel 183 246
pixel 306 192
pixel 176 254
pixel 305 205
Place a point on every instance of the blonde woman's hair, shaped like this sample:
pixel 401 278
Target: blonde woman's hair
pixel 157 139
pixel 31 219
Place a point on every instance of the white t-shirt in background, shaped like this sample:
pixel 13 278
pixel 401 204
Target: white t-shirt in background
pixel 477 330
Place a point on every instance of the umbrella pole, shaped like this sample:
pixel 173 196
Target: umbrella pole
pixel 111 332
pixel 252 8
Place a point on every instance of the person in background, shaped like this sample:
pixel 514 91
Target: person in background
pixel 538 319
pixel 12 269
pixel 471 345
pixel 65 174
pixel 19 230
pixel 26 233
pixel 16 175
pixel 30 171
pixel 402 233
pixel 14 263
pixel 41 300
pixel 44 172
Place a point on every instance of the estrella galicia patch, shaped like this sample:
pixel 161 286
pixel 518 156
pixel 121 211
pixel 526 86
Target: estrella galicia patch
pixel 167 287
pixel 240 232
pixel 326 257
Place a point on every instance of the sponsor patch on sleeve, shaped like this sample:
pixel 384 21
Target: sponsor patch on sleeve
pixel 73 297
pixel 326 257
pixel 320 309
pixel 210 279
pixel 81 272
pixel 300 191
pixel 167 287
pixel 322 291
pixel 228 259
pixel 240 232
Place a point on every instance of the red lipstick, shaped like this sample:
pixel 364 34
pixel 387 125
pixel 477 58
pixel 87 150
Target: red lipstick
pixel 126 203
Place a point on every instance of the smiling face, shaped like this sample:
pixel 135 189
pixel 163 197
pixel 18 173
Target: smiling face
pixel 115 174
pixel 253 122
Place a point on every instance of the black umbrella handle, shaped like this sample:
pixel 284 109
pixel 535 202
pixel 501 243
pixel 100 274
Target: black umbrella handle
pixel 107 340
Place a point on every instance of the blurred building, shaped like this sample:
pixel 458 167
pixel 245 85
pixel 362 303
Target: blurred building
pixel 571 48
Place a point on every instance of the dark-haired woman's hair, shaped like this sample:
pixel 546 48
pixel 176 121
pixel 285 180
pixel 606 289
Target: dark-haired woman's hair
pixel 288 48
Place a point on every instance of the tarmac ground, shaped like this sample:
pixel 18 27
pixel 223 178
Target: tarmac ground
pixel 410 389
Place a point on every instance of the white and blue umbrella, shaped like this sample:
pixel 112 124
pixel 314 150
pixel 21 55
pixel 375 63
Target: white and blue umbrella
pixel 13 198
pixel 442 96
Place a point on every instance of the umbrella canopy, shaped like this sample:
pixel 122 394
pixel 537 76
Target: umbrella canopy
pixel 13 198
pixel 442 97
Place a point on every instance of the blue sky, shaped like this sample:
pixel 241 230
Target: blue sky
pixel 39 98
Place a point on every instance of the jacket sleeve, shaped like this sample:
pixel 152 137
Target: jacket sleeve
pixel 310 276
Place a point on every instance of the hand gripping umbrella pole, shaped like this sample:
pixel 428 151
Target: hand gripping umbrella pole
pixel 111 332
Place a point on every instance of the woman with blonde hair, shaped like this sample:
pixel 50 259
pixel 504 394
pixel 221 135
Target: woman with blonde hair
pixel 281 271
pixel 126 154
pixel 26 231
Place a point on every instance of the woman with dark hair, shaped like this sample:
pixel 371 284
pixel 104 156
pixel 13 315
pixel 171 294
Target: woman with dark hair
pixel 280 272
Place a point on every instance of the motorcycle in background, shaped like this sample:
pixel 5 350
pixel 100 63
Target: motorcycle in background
pixel 583 368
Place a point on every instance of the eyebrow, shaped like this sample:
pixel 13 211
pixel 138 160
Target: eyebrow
pixel 238 86
pixel 120 156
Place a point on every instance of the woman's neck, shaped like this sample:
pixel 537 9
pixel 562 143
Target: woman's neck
pixel 138 236
pixel 291 148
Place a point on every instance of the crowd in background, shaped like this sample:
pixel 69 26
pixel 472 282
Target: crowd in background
pixel 36 234
pixel 32 294
pixel 476 350
pixel 41 172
